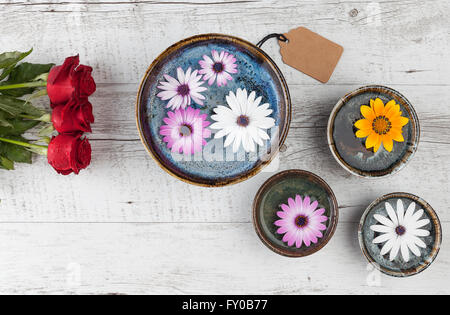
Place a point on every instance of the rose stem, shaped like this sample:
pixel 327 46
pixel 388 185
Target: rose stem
pixel 23 85
pixel 43 148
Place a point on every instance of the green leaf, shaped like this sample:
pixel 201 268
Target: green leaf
pixel 46 140
pixel 6 72
pixel 46 130
pixel 16 107
pixel 14 152
pixel 4 120
pixel 6 163
pixel 17 127
pixel 25 72
pixel 9 60
pixel 37 95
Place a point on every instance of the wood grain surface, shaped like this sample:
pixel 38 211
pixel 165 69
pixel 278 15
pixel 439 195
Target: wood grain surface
pixel 125 226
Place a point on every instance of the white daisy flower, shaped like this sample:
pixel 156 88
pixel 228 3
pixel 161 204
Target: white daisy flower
pixel 183 91
pixel 244 121
pixel 401 231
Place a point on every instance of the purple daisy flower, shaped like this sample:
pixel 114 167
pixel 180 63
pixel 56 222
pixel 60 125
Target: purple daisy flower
pixel 185 131
pixel 183 91
pixel 220 68
pixel 301 222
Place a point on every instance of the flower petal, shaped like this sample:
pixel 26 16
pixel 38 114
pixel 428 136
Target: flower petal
pixel 405 251
pixel 383 238
pixel 388 246
pixel 418 242
pixel 400 122
pixel 378 107
pixel 383 220
pixel 413 247
pixel 391 213
pixel 388 143
pixel 421 223
pixel 397 135
pixel 363 133
pixel 388 107
pixel 400 212
pixel 416 216
pixel 372 140
pixel 381 229
pixel 368 113
pixel 410 211
pixel 395 249
pixel 363 124
pixel 421 233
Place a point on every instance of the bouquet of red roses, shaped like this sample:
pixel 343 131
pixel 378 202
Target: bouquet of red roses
pixel 68 87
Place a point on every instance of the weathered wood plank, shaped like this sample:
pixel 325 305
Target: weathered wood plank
pixel 51 226
pixel 393 42
pixel 124 184
pixel 188 259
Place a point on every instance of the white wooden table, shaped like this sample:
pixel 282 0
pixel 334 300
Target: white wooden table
pixel 125 226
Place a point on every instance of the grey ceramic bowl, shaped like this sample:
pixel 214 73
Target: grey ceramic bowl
pixel 275 192
pixel 351 153
pixel 398 267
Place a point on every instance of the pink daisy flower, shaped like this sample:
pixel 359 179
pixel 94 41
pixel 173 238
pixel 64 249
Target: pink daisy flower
pixel 185 131
pixel 301 222
pixel 183 91
pixel 220 68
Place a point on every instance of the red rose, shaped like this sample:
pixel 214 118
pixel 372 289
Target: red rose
pixel 73 117
pixel 69 153
pixel 69 80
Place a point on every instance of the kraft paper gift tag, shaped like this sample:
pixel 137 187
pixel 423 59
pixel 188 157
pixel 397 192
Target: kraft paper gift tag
pixel 311 53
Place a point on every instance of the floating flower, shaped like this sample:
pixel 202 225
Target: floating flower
pixel 381 125
pixel 183 91
pixel 220 68
pixel 401 231
pixel 244 121
pixel 185 131
pixel 301 222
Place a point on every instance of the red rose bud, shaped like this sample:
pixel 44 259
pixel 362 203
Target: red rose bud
pixel 73 117
pixel 69 153
pixel 69 80
pixel 85 81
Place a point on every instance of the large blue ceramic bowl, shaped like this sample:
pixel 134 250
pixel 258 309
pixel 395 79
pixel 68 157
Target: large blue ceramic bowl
pixel 256 72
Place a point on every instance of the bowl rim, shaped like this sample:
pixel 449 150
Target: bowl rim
pixel 436 247
pixel 256 214
pixel 404 160
pixel 282 133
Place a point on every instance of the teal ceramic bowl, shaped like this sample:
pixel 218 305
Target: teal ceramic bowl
pixel 399 267
pixel 275 192
pixel 350 152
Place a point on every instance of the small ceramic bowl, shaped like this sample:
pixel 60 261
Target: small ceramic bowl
pixel 350 151
pixel 399 267
pixel 275 192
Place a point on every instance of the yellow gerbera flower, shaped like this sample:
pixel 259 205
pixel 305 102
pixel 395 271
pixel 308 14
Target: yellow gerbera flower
pixel 381 125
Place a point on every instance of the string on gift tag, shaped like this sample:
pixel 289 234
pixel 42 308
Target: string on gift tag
pixel 308 52
pixel 280 37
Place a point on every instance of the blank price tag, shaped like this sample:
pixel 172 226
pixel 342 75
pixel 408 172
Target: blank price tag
pixel 311 53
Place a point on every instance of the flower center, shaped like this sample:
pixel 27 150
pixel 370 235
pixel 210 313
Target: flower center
pixel 381 125
pixel 218 67
pixel 184 90
pixel 301 221
pixel 185 130
pixel 400 230
pixel 243 121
